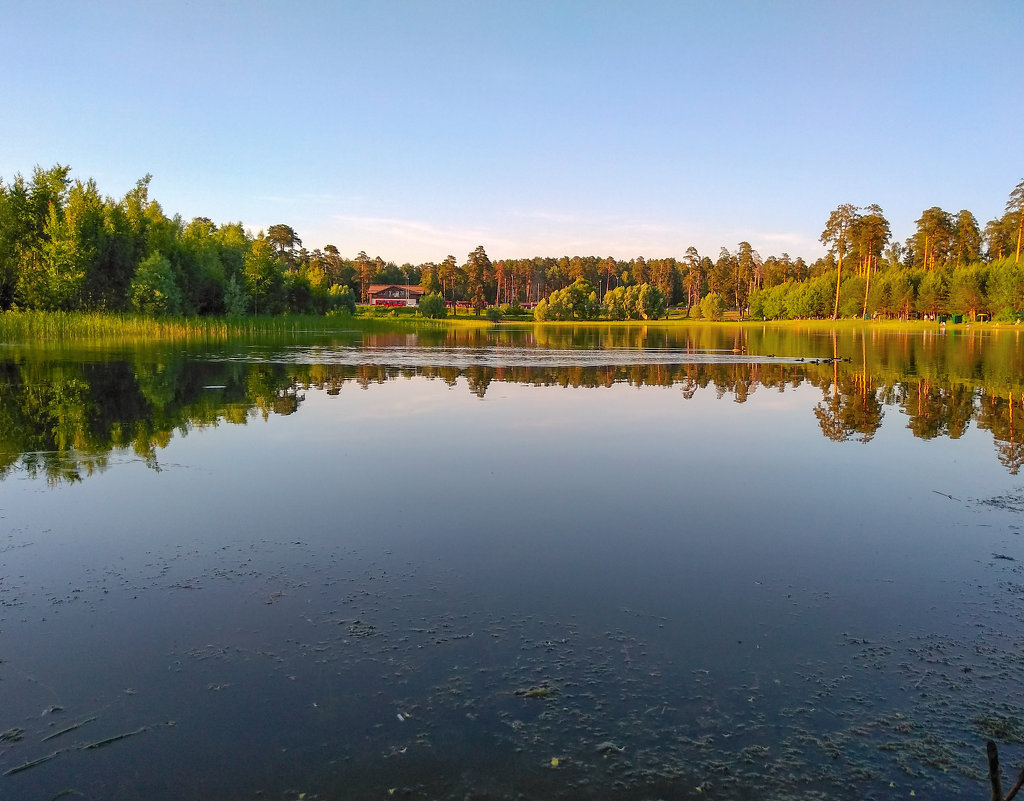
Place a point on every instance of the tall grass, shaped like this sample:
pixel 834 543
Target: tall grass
pixel 112 328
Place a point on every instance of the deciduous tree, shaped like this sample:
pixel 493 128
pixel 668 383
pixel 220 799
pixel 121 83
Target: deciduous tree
pixel 154 289
pixel 261 271
pixel 432 306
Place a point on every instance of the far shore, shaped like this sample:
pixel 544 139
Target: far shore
pixel 807 324
pixel 102 327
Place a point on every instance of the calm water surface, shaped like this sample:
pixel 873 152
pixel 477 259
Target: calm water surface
pixel 560 563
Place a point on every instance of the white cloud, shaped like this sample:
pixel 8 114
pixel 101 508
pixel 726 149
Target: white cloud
pixel 418 240
pixel 525 233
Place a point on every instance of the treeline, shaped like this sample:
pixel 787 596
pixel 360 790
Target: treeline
pixel 985 291
pixel 64 246
pixel 949 266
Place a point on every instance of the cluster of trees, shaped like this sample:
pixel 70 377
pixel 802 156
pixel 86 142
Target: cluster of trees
pixel 980 290
pixel 948 266
pixel 579 301
pixel 64 246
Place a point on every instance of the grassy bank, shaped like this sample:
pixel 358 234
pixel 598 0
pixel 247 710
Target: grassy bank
pixel 112 328
pixel 98 327
pixel 792 325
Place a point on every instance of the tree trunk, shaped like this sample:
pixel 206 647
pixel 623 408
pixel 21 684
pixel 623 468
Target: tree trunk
pixel 1020 231
pixel 839 278
pixel 867 286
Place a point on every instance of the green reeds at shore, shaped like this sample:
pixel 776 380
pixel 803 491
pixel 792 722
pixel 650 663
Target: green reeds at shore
pixel 42 327
pixel 112 328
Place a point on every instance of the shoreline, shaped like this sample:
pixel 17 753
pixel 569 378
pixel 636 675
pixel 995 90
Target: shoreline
pixel 33 327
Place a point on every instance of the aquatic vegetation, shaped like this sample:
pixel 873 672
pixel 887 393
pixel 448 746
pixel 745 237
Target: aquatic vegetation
pixel 630 716
pixel 1004 728
pixel 336 637
pixel 112 329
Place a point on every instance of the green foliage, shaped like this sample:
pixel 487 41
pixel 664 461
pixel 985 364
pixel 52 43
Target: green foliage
pixel 296 293
pixel 236 299
pixel 650 302
pixel 478 266
pixel 433 306
pixel 201 271
pixel 934 239
pixel 54 277
pixel 712 307
pixel 813 298
pixel 105 328
pixel 262 274
pixel 969 290
pixel 63 246
pixel 615 304
pixel 1006 289
pixel 51 239
pixel 810 299
pixel 775 304
pixel 154 289
pixel 513 309
pixel 933 293
pixel 851 297
pixel 643 302
pixel 577 301
pixel 342 299
pixel 283 237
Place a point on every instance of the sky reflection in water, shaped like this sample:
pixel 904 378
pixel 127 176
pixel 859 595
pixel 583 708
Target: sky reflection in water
pixel 408 586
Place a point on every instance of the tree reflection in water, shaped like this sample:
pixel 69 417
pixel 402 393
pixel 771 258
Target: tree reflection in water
pixel 62 417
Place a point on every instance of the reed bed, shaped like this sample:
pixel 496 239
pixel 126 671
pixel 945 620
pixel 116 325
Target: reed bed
pixel 99 327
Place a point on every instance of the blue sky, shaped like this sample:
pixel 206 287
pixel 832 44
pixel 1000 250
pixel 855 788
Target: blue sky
pixel 412 130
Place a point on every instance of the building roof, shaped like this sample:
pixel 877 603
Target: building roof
pixel 373 289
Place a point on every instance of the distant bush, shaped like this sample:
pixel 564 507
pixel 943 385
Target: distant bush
pixel 433 306
pixel 578 301
pixel 512 309
pixel 341 299
pixel 712 307
pixel 644 302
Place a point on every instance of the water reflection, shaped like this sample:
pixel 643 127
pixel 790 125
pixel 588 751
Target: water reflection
pixel 62 416
pixel 677 572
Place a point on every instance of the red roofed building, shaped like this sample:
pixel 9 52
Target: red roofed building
pixel 394 294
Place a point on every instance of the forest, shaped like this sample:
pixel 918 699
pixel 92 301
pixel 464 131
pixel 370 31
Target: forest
pixel 65 246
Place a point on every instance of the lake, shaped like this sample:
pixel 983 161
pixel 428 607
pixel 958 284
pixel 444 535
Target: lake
pixel 565 562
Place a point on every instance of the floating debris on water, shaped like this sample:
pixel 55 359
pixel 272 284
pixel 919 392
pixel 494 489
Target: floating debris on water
pixel 541 691
pixel 607 748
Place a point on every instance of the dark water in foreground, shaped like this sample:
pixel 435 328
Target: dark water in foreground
pixel 550 565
